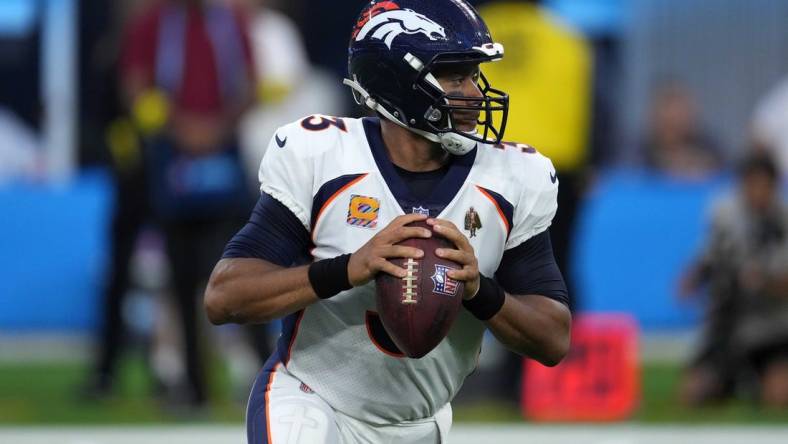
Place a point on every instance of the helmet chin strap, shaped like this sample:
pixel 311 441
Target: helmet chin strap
pixel 452 142
pixel 457 144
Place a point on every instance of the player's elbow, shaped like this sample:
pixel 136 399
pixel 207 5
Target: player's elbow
pixel 559 343
pixel 556 344
pixel 216 300
pixel 549 350
pixel 215 307
pixel 555 352
pixel 546 351
pixel 550 362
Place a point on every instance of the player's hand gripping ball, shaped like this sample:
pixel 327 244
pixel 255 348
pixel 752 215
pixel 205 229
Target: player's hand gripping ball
pixel 419 309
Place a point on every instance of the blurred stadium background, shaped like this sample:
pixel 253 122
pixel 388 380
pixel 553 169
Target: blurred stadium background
pixel 645 106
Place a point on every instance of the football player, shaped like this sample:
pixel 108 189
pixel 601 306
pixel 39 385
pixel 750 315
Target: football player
pixel 336 197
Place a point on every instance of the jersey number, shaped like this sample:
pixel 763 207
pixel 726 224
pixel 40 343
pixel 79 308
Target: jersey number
pixel 528 149
pixel 319 123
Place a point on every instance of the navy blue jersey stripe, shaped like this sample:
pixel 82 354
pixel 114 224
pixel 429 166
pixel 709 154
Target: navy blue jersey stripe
pixel 504 207
pixel 328 191
pixel 256 412
pixel 290 326
pixel 375 140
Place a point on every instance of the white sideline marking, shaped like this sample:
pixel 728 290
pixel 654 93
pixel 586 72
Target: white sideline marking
pixel 461 434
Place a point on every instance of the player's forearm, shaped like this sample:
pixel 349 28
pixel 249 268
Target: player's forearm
pixel 253 291
pixel 534 326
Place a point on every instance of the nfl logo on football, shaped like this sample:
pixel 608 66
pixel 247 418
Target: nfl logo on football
pixel 443 284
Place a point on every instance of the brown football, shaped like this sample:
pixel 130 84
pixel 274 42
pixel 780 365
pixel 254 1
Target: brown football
pixel 418 310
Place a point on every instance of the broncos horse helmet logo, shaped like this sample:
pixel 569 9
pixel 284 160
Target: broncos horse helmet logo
pixel 391 23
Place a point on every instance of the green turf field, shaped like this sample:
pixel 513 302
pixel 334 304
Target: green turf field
pixel 47 394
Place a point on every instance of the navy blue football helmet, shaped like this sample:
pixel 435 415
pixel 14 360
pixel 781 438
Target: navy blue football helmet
pixel 394 49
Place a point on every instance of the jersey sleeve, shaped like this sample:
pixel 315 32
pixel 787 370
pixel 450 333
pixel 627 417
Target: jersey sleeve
pixel 537 204
pixel 273 234
pixel 530 268
pixel 287 172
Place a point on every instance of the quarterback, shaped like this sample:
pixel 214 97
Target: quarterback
pixel 337 195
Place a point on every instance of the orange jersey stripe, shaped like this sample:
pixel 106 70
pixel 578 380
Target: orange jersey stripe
pixel 271 376
pixel 331 199
pixel 268 402
pixel 497 207
pixel 292 340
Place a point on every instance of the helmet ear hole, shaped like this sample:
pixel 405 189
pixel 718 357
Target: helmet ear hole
pixel 433 114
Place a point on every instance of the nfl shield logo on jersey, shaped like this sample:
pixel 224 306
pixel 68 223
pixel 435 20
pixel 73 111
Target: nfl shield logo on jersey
pixel 421 210
pixel 363 211
pixel 442 284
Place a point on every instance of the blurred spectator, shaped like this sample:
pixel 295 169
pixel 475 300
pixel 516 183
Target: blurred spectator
pixel 107 129
pixel 675 143
pixel 187 76
pixel 280 56
pixel 290 86
pixel 770 124
pixel 745 264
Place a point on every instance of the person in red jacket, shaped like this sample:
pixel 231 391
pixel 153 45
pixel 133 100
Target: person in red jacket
pixel 187 76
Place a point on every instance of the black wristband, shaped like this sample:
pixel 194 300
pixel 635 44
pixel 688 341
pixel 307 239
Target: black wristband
pixel 488 300
pixel 329 276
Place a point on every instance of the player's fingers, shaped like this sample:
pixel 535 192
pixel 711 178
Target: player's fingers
pixel 400 251
pixel 449 231
pixel 405 219
pixel 400 234
pixel 443 222
pixel 466 274
pixel 458 256
pixel 382 265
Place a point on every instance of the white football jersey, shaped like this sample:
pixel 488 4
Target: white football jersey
pixel 335 176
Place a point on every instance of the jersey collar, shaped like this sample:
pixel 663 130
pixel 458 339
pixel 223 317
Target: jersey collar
pixel 447 189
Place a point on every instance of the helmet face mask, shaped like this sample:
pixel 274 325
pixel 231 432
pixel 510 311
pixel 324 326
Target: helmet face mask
pixel 491 103
pixel 395 52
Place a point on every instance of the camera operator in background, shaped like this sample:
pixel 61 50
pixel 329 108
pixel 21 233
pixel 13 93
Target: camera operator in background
pixel 745 264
